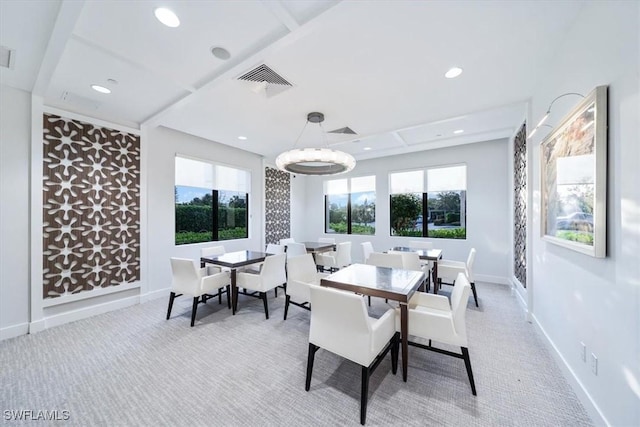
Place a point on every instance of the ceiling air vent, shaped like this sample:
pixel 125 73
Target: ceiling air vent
pixel 7 57
pixel 344 131
pixel 79 101
pixel 264 80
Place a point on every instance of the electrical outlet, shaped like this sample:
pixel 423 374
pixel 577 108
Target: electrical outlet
pixel 583 352
pixel 594 364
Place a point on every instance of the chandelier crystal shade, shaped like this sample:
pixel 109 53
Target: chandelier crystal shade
pixel 315 161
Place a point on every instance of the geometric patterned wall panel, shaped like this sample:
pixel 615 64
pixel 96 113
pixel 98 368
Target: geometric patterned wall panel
pixel 520 205
pixel 91 207
pixel 277 205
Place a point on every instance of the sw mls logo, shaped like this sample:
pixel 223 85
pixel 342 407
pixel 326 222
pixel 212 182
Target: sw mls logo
pixel 31 415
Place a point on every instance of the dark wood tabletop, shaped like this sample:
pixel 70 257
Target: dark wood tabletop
pixel 318 246
pixel 428 254
pixel 235 259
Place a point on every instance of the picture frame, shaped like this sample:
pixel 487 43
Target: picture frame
pixel 573 159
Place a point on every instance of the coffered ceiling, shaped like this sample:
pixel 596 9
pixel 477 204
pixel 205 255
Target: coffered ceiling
pixel 376 67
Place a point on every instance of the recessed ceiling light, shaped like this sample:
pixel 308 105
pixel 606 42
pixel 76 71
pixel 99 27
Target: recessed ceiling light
pixel 453 73
pixel 458 131
pixel 100 89
pixel 242 138
pixel 220 53
pixel 367 148
pixel 167 17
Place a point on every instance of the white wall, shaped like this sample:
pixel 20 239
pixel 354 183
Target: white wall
pixel 162 146
pixel 15 140
pixel 577 298
pixel 488 210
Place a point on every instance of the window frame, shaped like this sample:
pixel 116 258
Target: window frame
pixel 349 206
pixel 215 204
pixel 425 200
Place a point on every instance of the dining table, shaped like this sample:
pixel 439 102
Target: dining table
pixel 389 283
pixel 233 261
pixel 432 255
pixel 315 247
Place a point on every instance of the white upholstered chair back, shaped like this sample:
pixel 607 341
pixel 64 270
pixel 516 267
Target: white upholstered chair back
pixel 343 254
pixel 459 297
pixel 301 276
pixel 185 276
pixel 274 249
pixel 379 259
pixel 302 268
pixel 411 261
pixel 367 249
pixel 287 241
pixel 340 324
pixel 296 249
pixel 273 273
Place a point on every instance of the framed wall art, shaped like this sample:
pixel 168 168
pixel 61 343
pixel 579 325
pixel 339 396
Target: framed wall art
pixel 573 159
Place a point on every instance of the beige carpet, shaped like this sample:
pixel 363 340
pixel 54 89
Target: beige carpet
pixel 132 367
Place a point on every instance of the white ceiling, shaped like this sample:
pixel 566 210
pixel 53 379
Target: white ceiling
pixel 374 66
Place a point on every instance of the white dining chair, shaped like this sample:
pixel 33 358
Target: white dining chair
pixel 187 279
pixel 433 318
pixel 335 260
pixel 212 251
pixel 284 242
pixel 296 249
pixel 301 276
pixel 389 260
pixel 423 244
pixel 340 324
pixel 448 271
pixel 367 249
pixel 272 274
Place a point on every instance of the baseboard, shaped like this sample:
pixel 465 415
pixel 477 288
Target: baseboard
pixel 14 331
pixel 499 280
pixel 93 310
pixel 150 296
pixel 37 326
pixel 583 395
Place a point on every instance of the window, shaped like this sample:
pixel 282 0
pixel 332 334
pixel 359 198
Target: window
pixel 431 207
pixel 211 202
pixel 350 205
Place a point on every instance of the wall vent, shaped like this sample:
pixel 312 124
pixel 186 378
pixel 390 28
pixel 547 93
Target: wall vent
pixel 344 131
pixel 7 57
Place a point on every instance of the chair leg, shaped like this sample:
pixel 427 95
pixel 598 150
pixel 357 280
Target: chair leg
pixel 286 306
pixel 266 305
pixel 475 295
pixel 312 353
pixel 276 291
pixel 364 394
pixel 220 290
pixel 229 296
pixel 467 364
pixel 395 347
pixel 369 296
pixel 194 309
pixel 172 296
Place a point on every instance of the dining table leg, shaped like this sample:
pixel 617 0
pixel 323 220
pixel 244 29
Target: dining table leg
pixel 234 292
pixel 435 277
pixel 404 330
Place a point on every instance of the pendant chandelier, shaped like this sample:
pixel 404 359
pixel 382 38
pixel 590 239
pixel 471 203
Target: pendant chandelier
pixel 315 161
